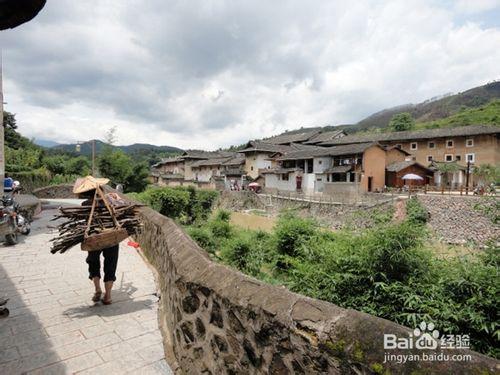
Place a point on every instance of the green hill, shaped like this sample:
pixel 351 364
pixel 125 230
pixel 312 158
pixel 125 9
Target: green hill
pixel 488 114
pixel 435 109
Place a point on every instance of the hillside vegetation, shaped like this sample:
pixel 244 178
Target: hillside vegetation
pixel 387 271
pixel 139 152
pixel 488 114
pixel 479 105
pixel 433 110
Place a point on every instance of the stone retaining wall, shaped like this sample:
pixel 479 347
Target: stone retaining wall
pixel 457 220
pixel 62 191
pixel 216 320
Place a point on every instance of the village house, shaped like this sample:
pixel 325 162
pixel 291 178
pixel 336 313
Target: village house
pixel 169 171
pixel 300 136
pixel 476 144
pixel 208 169
pixel 258 156
pixel 344 169
pixel 325 137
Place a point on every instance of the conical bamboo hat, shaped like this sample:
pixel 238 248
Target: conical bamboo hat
pixel 88 183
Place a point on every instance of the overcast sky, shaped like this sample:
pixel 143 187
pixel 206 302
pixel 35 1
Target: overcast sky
pixel 206 74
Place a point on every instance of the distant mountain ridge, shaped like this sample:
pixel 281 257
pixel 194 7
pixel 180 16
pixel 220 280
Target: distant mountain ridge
pixel 136 148
pixel 437 109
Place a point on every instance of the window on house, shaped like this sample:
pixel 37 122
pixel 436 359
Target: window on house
pixel 429 158
pixel 328 178
pixel 432 144
pixel 320 162
pixel 251 168
pixel 469 142
pixel 458 157
pixel 449 143
pixel 284 177
pixel 448 157
pixel 470 157
pixel 413 146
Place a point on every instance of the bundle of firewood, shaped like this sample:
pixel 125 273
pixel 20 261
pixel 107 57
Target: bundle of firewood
pixel 74 230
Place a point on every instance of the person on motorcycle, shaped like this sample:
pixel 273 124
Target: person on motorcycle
pixel 8 184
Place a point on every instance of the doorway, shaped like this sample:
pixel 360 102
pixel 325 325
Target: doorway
pixel 370 183
pixel 298 183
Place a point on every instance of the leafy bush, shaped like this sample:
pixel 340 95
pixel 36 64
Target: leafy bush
pixel 203 238
pixel 186 204
pixel 292 232
pixel 385 271
pixel 416 212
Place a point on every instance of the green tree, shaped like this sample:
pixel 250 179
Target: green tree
pixel 78 166
pixel 401 122
pixel 137 181
pixel 447 170
pixel 12 138
pixel 55 164
pixel 487 173
pixel 115 165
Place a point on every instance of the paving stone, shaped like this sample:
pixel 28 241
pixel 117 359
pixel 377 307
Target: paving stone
pixel 8 354
pixel 86 346
pixel 160 367
pixel 123 354
pixel 54 328
pixel 72 365
pixel 144 341
pixel 152 353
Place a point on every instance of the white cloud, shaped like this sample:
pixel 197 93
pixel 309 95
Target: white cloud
pixel 476 6
pixel 213 73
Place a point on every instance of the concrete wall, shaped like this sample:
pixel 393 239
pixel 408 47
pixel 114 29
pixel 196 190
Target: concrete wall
pixel 256 161
pixel 218 321
pixel 486 149
pixel 321 164
pixel 55 191
pixel 374 167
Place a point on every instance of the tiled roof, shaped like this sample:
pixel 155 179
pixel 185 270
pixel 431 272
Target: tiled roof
pixel 328 151
pixel 198 154
pixel 339 169
pixel 209 162
pixel 417 134
pixel 237 159
pixel 288 138
pixel 280 170
pixel 400 165
pixel 265 147
pixel 325 136
pixel 175 159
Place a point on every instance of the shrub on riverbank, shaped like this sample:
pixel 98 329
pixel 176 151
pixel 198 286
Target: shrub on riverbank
pixel 185 204
pixel 385 271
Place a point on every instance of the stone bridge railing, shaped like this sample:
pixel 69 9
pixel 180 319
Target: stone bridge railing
pixel 216 320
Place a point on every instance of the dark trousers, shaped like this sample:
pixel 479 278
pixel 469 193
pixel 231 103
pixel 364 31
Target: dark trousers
pixel 110 255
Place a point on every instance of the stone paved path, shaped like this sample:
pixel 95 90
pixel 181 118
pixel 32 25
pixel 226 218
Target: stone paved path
pixel 54 328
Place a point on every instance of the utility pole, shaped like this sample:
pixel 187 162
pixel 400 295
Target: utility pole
pixel 93 157
pixel 2 145
pixel 467 174
pixel 79 149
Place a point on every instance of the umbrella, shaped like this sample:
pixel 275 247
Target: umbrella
pixel 88 183
pixel 16 12
pixel 253 184
pixel 411 176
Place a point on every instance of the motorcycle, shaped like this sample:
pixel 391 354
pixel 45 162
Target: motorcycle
pixel 4 311
pixel 12 221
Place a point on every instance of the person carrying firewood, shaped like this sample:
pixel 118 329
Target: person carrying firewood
pixel 110 256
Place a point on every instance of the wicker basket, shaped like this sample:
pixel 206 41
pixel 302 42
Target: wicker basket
pixel 104 239
pixel 107 237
